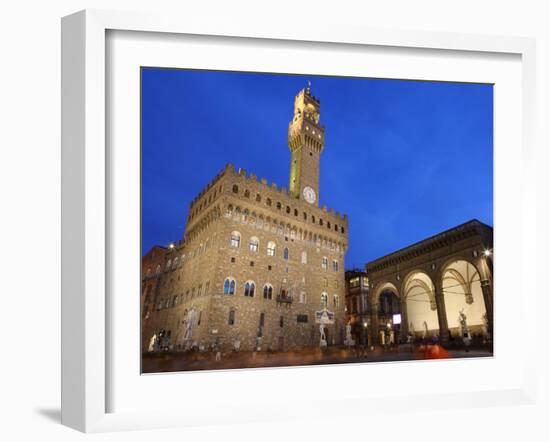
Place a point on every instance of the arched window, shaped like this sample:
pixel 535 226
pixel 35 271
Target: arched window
pixel 235 239
pixel 295 212
pixel 247 193
pixel 148 272
pixel 253 244
pixel 285 253
pixel 335 265
pixel 279 205
pixel 304 257
pixel 302 297
pixel 229 286
pixel 324 263
pixel 249 289
pixel 235 188
pixel 258 198
pixel 268 202
pixel 287 209
pixel 175 262
pixel 336 301
pixel 271 248
pixel 157 271
pixel 231 319
pixel 324 299
pixel 268 291
pixel 169 264
pixel 342 229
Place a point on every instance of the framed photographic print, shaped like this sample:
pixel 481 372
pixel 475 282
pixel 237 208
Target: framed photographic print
pixel 255 217
pixel 260 276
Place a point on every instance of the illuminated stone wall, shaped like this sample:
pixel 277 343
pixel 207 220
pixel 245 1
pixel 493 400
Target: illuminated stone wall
pixel 316 239
pixel 207 257
pixel 435 280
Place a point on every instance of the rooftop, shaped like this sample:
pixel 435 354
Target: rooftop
pixel 443 238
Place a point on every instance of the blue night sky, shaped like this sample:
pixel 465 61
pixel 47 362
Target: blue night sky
pixel 404 159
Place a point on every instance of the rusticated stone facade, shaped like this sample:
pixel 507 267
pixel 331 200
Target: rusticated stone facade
pixel 258 264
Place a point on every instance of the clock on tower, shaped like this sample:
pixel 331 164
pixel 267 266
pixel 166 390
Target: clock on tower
pixel 306 139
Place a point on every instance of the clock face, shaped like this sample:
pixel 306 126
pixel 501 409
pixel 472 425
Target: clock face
pixel 309 194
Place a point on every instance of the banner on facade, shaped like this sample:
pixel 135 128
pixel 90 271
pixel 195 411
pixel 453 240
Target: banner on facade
pixel 324 317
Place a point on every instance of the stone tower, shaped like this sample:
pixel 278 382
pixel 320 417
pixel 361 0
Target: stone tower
pixel 306 138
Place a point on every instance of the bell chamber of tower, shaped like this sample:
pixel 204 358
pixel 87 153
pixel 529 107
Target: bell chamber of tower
pixel 306 138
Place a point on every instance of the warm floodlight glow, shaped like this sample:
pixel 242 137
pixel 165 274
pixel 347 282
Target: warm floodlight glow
pixel 171 246
pixel 487 253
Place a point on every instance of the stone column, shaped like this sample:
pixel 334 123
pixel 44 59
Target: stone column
pixel 373 326
pixel 441 313
pixel 487 290
pixel 404 320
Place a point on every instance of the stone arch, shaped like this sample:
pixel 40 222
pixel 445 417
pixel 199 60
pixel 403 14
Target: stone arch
pixel 441 268
pixel 376 327
pixel 229 210
pixel 462 291
pixel 382 286
pixel 237 214
pixel 420 306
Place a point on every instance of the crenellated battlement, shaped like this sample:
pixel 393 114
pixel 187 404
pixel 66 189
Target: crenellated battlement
pixel 283 193
pixel 211 184
pixel 299 201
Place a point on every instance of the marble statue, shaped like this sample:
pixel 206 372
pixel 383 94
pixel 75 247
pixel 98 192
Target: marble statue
pixel 485 327
pixel 153 342
pixel 237 345
pixel 464 330
pixel 349 340
pixel 189 323
pixel 323 341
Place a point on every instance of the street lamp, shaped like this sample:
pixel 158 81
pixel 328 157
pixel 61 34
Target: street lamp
pixel 487 252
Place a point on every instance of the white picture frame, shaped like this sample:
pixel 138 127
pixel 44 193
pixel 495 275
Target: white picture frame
pixel 86 206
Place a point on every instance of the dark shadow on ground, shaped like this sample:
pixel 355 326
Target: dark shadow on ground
pixel 51 414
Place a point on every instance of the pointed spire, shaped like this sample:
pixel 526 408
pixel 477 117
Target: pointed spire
pixel 308 89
